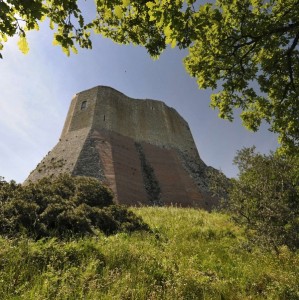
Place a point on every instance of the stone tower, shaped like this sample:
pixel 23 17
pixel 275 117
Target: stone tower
pixel 142 149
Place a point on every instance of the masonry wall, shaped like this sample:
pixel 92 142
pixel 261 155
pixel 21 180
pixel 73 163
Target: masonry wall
pixel 150 121
pixel 63 157
pixel 142 149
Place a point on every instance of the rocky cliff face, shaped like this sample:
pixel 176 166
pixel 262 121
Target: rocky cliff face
pixel 142 149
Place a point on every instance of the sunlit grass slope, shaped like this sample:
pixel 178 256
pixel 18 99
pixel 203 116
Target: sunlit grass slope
pixel 191 254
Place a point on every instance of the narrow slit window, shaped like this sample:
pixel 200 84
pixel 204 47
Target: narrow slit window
pixel 83 105
pixel 104 117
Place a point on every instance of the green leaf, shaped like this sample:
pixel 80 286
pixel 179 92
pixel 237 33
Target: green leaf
pixel 57 40
pixel 126 3
pixel 36 27
pixel 107 13
pixel 23 44
pixel 168 31
pixel 150 5
pixel 66 50
pixel 81 21
pixel 152 17
pixel 51 24
pixel 74 49
pixel 118 11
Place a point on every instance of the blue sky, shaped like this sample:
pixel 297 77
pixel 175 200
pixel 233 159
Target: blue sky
pixel 36 90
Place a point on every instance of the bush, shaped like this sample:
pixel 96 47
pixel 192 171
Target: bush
pixel 62 207
pixel 126 220
pixel 265 198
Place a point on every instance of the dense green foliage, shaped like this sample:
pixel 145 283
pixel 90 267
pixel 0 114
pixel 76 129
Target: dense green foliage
pixel 17 17
pixel 62 207
pixel 192 255
pixel 265 197
pixel 247 50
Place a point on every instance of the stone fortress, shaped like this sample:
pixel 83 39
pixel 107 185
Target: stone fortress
pixel 142 149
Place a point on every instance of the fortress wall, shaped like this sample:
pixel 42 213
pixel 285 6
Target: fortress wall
pixel 116 155
pixel 180 135
pixel 104 150
pixel 89 162
pixel 69 117
pixel 62 158
pixel 142 149
pixel 142 120
pixel 177 186
pixel 79 116
pixel 166 172
pixel 129 181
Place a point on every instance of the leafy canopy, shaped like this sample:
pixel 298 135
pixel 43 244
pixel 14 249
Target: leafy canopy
pixel 19 16
pixel 247 51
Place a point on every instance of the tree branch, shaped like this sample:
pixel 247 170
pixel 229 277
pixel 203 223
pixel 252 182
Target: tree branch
pixel 289 54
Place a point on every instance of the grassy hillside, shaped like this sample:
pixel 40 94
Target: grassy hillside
pixel 191 254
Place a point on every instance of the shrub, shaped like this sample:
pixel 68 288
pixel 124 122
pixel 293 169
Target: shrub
pixel 126 220
pixel 62 207
pixel 265 197
pixel 89 191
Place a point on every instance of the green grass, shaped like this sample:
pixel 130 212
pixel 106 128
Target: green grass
pixel 191 254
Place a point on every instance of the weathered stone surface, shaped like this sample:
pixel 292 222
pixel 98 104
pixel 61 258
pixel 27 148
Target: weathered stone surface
pixel 142 149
